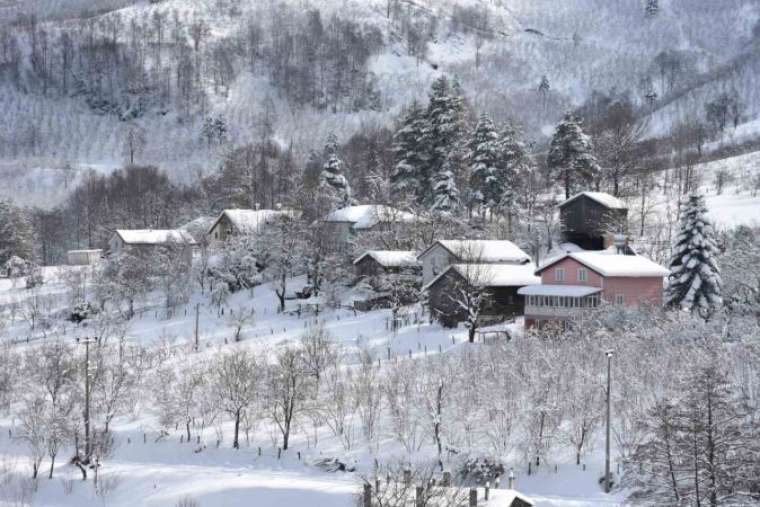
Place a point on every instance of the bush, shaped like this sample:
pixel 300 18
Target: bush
pixel 480 470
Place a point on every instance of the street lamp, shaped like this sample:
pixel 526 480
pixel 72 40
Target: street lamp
pixel 607 482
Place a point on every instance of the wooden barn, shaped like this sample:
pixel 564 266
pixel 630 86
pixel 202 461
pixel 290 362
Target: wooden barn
pixel 499 282
pixel 591 220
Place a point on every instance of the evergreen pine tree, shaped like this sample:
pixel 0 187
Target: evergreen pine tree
pixel 15 233
pixel 652 8
pixel 443 131
pixel 514 169
pixel 695 283
pixel 445 191
pixel 332 182
pixel 544 86
pixel 571 154
pixel 408 176
pixel 486 183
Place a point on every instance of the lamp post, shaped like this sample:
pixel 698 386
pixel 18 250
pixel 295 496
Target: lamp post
pixel 607 485
pixel 87 440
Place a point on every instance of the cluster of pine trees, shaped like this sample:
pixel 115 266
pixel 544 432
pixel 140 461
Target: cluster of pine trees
pixel 441 163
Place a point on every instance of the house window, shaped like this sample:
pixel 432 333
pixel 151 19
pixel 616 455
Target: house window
pixel 559 275
pixel 582 275
pixel 620 299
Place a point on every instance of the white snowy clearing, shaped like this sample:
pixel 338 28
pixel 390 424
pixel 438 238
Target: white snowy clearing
pixel 152 468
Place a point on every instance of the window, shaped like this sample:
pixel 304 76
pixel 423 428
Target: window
pixel 559 275
pixel 620 299
pixel 582 275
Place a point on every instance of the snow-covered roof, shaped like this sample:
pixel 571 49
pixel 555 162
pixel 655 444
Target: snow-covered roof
pixel 494 275
pixel 248 221
pixel 91 251
pixel 366 216
pixel 602 198
pixel 154 236
pixel 483 251
pixel 507 497
pixel 392 258
pixel 610 263
pixel 558 290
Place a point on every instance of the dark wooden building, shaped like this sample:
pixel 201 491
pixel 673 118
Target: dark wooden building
pixel 591 220
pixel 499 281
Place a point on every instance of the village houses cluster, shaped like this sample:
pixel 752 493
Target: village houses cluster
pixel 483 281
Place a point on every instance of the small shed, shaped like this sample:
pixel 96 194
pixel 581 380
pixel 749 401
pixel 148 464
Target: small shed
pixel 377 262
pixel 592 219
pixel 83 257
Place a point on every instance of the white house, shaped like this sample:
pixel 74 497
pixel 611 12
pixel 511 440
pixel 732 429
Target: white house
pixel 83 257
pixel 232 222
pixel 444 253
pixel 148 239
pixel 352 220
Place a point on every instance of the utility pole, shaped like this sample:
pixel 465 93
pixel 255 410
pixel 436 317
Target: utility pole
pixel 607 482
pixel 197 312
pixel 87 438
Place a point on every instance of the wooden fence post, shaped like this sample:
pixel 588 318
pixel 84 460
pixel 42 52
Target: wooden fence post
pixel 473 497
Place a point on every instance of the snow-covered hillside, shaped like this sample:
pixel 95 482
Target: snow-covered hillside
pixel 500 63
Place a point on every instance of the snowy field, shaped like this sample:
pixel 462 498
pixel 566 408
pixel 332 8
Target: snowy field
pixel 154 469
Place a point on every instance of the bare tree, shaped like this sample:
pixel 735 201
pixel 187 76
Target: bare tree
pixel 236 382
pixel 289 386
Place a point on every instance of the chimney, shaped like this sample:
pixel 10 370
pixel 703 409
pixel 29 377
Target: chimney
pixel 621 244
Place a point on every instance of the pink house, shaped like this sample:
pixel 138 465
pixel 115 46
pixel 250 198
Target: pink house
pixel 578 280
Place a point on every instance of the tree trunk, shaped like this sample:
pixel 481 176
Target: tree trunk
pixel 52 466
pixel 187 428
pixel 235 442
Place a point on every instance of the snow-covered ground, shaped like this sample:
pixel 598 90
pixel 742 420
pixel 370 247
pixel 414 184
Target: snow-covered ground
pixel 150 470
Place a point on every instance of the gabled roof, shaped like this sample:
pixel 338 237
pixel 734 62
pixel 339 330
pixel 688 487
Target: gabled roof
pixel 248 221
pixel 493 275
pixel 602 198
pixel 482 251
pixel 611 264
pixel 154 236
pixel 391 258
pixel 366 216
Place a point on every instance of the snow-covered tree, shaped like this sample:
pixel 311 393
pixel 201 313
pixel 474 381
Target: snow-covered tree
pixel 444 131
pixel 695 282
pixel 409 176
pixel 515 173
pixel 236 385
pixel 571 155
pixel 332 181
pixel 652 8
pixel 445 192
pixel 280 252
pixel 15 233
pixel 484 158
